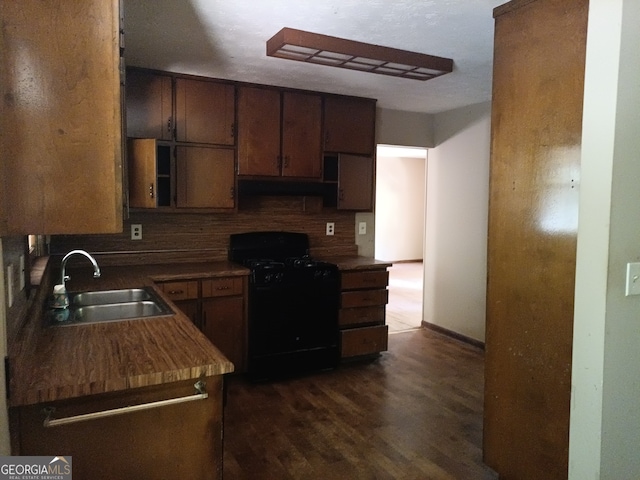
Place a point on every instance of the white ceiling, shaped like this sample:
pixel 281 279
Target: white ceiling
pixel 227 39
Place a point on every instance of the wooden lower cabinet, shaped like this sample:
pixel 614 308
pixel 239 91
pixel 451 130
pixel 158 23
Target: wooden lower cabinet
pixel 364 341
pixel 182 440
pixel 223 317
pixel 363 312
pixel 217 306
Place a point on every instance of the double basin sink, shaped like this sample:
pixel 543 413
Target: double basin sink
pixel 110 306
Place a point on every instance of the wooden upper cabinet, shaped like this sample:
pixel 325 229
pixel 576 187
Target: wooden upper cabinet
pixel 301 135
pixel 61 121
pixel 355 183
pixel 142 172
pixel 273 145
pixel 349 125
pixel 205 177
pixel 258 131
pixel 205 112
pixel 149 105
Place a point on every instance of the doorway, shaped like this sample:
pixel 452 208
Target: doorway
pixel 399 232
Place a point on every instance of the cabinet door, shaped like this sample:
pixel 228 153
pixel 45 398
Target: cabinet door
pixel 349 125
pixel 61 121
pixel 141 155
pixel 301 135
pixel 190 309
pixel 149 105
pixel 223 324
pixel 258 131
pixel 205 112
pixel 205 177
pixel 355 183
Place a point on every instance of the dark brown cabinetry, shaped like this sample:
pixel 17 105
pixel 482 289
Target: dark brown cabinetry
pixel 191 165
pixel 349 180
pixel 217 306
pixel 349 125
pixel 61 118
pixel 205 112
pixel 223 314
pixel 147 438
pixel 149 105
pixel 362 314
pixel 205 177
pixel 536 109
pixel 279 133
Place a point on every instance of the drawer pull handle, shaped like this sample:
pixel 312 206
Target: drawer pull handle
pixel 223 288
pixel 50 422
pixel 176 292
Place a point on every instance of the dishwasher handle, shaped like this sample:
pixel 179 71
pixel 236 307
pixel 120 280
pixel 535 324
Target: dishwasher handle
pixel 200 394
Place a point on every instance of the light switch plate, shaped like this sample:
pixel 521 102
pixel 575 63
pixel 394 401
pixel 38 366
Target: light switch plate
pixel 9 286
pixel 633 279
pixel 362 228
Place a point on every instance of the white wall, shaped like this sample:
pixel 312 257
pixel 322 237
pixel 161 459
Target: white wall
pixel 605 406
pixel 400 196
pixel 456 221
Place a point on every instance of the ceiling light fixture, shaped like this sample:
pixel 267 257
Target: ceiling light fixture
pixel 310 47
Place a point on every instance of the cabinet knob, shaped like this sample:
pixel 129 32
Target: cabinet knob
pixel 151 190
pixel 286 161
pixel 232 192
pixel 233 130
pixel 169 122
pixel 176 292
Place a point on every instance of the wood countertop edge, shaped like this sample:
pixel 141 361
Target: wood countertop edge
pixel 44 388
pixel 355 262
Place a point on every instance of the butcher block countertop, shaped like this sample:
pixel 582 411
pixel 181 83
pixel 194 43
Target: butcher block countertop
pixel 56 363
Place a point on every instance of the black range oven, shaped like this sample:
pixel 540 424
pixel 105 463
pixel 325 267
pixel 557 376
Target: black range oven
pixel 293 304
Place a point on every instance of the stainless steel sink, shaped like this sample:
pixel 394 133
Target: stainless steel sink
pixel 110 306
pixel 102 297
pixel 118 311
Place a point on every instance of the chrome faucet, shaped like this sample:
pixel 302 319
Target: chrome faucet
pixel 64 277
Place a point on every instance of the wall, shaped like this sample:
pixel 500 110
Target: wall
pixel 168 237
pixel 456 221
pixel 605 413
pixel 400 196
pixel 394 127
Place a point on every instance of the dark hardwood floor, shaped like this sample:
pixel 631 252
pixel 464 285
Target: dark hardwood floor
pixel 414 413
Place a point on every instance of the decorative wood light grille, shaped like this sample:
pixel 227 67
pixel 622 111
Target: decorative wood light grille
pixel 338 52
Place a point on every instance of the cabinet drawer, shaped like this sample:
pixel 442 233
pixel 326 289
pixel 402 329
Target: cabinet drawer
pixel 367 279
pixel 354 316
pixel 364 341
pixel 221 287
pixel 180 290
pixel 364 298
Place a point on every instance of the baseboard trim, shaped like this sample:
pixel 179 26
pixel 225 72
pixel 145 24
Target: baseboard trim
pixel 452 334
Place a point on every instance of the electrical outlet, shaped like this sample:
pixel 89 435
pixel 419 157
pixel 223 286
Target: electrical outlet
pixel 136 231
pixel 331 228
pixel 362 228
